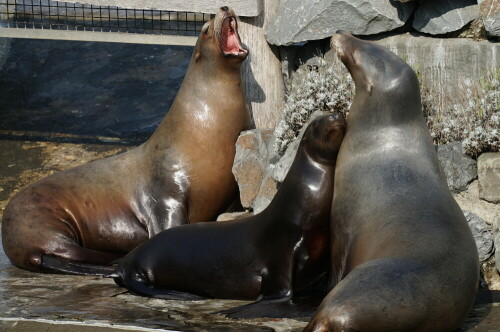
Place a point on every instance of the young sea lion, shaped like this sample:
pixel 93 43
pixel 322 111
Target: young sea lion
pixel 266 256
pixel 97 212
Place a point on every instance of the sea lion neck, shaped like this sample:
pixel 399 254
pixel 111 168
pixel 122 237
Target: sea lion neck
pixel 209 93
pixel 370 108
pixel 307 180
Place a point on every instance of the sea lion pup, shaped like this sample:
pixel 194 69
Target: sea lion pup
pixel 266 256
pixel 98 212
pixel 403 256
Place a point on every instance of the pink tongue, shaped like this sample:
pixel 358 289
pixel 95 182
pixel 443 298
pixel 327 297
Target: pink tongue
pixel 232 44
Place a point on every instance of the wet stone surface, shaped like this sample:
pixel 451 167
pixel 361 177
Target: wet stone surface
pixel 73 300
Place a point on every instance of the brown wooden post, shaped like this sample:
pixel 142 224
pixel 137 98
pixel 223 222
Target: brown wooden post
pixel 262 76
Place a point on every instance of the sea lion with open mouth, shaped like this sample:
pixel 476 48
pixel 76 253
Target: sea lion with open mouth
pixel 98 212
pixel 403 256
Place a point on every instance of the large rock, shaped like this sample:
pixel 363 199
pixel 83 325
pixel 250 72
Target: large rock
pixel 268 188
pixel 488 165
pixel 438 17
pixel 490 14
pixel 280 169
pixel 482 235
pixel 469 200
pixel 459 168
pixel 228 216
pixel 299 20
pixel 254 148
pixel 496 242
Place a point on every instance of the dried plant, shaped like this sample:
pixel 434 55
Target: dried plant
pixel 322 87
pixel 473 119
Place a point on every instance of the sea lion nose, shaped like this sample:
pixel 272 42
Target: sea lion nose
pixel 333 117
pixel 225 8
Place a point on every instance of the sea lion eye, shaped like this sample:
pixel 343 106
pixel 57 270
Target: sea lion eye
pixel 205 28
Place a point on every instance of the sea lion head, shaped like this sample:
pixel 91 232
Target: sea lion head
pixel 373 67
pixel 219 39
pixel 323 137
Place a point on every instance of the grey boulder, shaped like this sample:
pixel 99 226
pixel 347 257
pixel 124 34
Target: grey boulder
pixel 482 235
pixel 441 17
pixel 459 169
pixel 490 13
pixel 299 20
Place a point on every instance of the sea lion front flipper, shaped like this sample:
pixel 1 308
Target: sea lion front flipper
pixel 138 287
pixel 60 265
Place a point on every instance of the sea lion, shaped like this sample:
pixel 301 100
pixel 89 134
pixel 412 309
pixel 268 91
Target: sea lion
pixel 97 212
pixel 403 256
pixel 266 256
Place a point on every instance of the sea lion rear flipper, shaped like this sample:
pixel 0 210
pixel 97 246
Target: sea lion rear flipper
pixel 56 264
pixel 279 308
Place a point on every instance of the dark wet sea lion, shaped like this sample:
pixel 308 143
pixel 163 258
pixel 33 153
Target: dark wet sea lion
pixel 100 211
pixel 403 256
pixel 266 256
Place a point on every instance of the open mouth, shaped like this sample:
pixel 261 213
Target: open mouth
pixel 230 41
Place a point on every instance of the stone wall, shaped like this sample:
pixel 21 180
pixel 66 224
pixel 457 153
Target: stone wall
pixel 445 63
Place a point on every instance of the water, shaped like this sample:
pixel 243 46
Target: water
pixel 63 89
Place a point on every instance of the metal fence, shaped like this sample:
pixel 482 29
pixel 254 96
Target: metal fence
pixel 55 15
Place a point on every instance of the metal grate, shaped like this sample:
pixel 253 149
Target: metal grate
pixel 55 15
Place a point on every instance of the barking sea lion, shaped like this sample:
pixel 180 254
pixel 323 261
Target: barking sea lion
pixel 98 212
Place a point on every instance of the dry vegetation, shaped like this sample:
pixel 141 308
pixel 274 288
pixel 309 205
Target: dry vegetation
pixel 324 87
pixel 473 119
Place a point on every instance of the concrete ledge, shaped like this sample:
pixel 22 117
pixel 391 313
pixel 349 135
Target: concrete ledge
pixel 108 37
